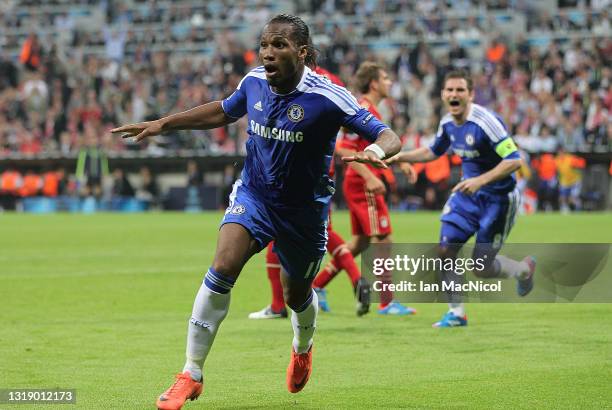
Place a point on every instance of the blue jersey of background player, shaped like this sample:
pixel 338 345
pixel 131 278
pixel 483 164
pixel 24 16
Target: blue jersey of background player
pixel 485 202
pixel 294 116
pixel 486 209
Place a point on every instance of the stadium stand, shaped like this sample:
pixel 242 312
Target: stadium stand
pixel 90 65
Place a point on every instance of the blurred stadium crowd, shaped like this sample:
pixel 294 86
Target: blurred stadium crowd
pixel 90 65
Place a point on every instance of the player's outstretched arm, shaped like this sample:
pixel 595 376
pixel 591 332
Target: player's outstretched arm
pixel 404 159
pixel 423 154
pixel 202 117
pixel 387 144
pixel 501 170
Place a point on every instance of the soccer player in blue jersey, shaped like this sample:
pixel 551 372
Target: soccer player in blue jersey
pixel 485 202
pixel 284 191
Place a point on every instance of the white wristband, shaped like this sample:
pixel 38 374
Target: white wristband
pixel 377 150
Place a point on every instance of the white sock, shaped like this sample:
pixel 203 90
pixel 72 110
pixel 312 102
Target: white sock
pixel 304 324
pixel 209 310
pixel 509 268
pixel 458 309
pixel 453 298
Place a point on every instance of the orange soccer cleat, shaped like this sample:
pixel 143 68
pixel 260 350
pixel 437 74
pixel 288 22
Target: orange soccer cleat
pixel 299 370
pixel 183 388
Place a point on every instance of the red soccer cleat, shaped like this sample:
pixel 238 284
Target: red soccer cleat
pixel 299 370
pixel 183 388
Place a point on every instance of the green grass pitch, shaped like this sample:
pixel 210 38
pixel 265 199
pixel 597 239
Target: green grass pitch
pixel 100 303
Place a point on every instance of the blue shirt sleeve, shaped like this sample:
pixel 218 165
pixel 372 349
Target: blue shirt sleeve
pixel 441 142
pixel 499 140
pixel 364 123
pixel 235 105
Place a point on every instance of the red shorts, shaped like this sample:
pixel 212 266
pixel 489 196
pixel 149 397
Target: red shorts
pixel 369 212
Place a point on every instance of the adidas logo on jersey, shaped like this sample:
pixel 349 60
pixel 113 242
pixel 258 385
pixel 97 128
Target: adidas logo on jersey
pixel 257 106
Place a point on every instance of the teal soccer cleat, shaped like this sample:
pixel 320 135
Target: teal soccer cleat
pixel 524 286
pixel 396 309
pixel 451 320
pixel 322 295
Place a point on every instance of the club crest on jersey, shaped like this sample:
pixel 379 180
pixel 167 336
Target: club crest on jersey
pixel 384 222
pixel 295 113
pixel 237 210
pixel 469 139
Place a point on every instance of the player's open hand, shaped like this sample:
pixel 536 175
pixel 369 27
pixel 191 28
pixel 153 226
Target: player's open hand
pixel 409 172
pixel 365 157
pixel 468 186
pixel 139 131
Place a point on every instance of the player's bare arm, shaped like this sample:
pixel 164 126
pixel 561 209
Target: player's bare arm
pixel 373 184
pixel 202 117
pixel 404 159
pixel 387 144
pixel 423 154
pixel 502 170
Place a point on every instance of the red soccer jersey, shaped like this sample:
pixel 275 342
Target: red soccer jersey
pixel 358 143
pixel 332 77
pixel 336 80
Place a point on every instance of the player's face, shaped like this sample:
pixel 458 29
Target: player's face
pixel 457 97
pixel 383 84
pixel 282 59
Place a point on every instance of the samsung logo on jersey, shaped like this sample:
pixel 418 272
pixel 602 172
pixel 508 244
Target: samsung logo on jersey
pixel 276 133
pixel 466 153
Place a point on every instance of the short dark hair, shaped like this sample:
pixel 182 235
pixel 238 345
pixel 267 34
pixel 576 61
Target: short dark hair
pixel 300 35
pixel 462 74
pixel 367 72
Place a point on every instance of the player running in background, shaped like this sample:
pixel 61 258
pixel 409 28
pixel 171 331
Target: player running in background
pixel 364 188
pixel 341 258
pixel 284 191
pixel 485 201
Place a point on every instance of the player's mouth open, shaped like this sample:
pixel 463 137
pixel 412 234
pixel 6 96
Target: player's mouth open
pixel 270 69
pixel 454 103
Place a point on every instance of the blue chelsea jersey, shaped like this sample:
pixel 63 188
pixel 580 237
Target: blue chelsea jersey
pixel 292 136
pixel 482 142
